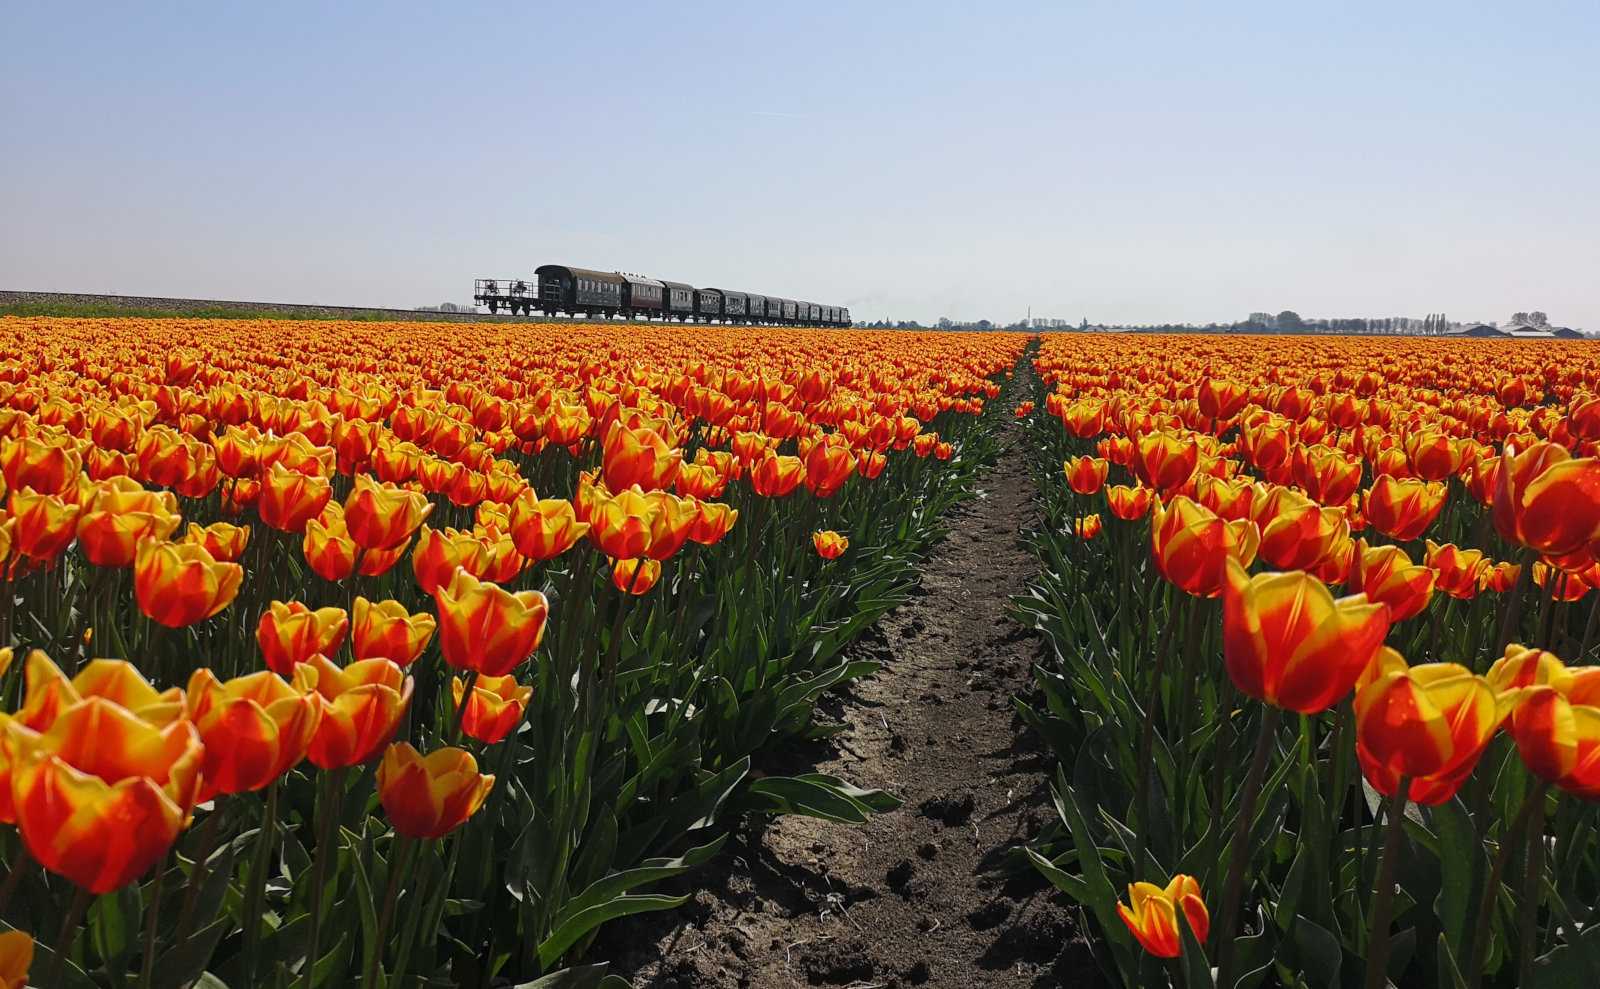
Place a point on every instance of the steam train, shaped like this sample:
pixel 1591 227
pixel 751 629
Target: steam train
pixel 558 289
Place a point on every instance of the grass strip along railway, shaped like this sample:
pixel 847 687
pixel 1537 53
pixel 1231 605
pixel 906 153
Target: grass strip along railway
pixel 408 654
pixel 1322 690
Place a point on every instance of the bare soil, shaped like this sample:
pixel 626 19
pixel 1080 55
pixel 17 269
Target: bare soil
pixel 929 895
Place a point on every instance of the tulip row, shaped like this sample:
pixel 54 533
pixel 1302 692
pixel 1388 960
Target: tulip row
pixel 325 667
pixel 1397 786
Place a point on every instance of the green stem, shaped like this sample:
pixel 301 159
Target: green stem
pixel 461 709
pixel 1228 920
pixel 327 819
pixel 1383 891
pixel 152 920
pixel 255 891
pixel 1147 732
pixel 1491 887
pixel 1528 906
pixel 14 877
pixel 401 864
pixel 208 845
pixel 64 938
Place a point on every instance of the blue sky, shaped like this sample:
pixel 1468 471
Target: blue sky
pixel 1124 162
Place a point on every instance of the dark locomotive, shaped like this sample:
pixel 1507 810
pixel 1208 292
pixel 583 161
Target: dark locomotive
pixel 559 290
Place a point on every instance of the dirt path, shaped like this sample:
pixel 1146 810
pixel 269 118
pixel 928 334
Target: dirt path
pixel 919 897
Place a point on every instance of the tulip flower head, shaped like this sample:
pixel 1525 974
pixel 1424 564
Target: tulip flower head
pixel 290 634
pixel 430 796
pixel 16 958
pixel 362 705
pixel 1189 544
pixel 1386 574
pixel 1152 917
pixel 178 584
pixel 1430 723
pixel 544 528
pixel 386 630
pixel 1458 571
pixel 636 576
pixel 485 628
pixel 1288 642
pixel 494 708
pixel 255 728
pixel 829 544
pixel 1129 503
pixel 381 515
pixel 1403 509
pixel 1085 475
pixel 101 795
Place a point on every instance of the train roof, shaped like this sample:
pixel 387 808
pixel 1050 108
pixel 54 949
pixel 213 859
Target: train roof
pixel 726 293
pixel 641 280
pixel 571 272
pixel 684 285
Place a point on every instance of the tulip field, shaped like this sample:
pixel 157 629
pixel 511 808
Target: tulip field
pixel 1322 690
pixel 388 654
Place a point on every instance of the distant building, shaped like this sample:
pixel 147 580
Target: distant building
pixel 1480 330
pixel 1568 333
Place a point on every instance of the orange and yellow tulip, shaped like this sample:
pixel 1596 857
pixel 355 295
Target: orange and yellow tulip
pixel 636 576
pixel 1152 914
pixel 101 795
pixel 638 456
pixel 255 727
pixel 224 541
pixel 544 528
pixel 1459 571
pixel 1287 641
pixel 386 630
pixel 1386 574
pixel 429 796
pixel 494 708
pixel 1085 475
pixel 439 553
pixel 290 499
pixel 775 476
pixel 486 628
pixel 290 634
pixel 178 584
pixel 382 516
pixel 827 467
pixel 621 525
pixel 42 525
pixel 362 705
pixel 1129 503
pixel 713 521
pixel 1430 723
pixel 1403 509
pixel 1188 545
pixel 1165 461
pixel 829 544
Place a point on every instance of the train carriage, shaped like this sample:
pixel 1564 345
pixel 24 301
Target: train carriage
pixel 642 296
pixel 680 300
pixel 574 290
pixel 755 307
pixel 733 305
pixel 707 304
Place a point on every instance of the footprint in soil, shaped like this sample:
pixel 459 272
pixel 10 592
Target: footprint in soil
pixel 837 963
pixel 949 811
pixel 991 914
